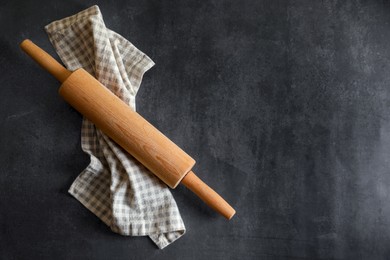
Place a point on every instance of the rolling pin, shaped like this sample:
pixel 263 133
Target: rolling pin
pixel 127 128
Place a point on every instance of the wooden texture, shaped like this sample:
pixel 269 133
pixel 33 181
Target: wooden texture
pixel 127 128
pixel 208 195
pixel 45 60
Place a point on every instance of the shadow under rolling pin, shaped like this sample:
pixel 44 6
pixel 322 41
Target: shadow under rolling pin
pixel 127 128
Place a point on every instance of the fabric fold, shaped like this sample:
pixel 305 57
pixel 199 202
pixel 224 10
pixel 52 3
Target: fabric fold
pixel 115 187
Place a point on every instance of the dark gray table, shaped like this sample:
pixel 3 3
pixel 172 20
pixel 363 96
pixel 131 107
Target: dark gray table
pixel 284 104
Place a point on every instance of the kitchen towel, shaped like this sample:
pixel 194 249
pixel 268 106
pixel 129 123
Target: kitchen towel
pixel 115 187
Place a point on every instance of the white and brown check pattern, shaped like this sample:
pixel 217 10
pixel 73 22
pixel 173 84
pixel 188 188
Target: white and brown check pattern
pixel 115 187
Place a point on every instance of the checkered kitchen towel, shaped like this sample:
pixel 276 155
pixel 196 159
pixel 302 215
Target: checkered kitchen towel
pixel 115 187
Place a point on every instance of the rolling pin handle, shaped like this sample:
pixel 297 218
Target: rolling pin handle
pixel 45 60
pixel 208 195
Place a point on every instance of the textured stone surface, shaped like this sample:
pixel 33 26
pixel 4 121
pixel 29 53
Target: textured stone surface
pixel 284 105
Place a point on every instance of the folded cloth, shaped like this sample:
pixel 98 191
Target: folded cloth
pixel 115 187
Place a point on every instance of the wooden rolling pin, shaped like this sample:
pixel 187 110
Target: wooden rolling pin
pixel 127 128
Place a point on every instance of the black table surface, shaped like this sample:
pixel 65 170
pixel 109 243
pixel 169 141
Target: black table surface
pixel 284 105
